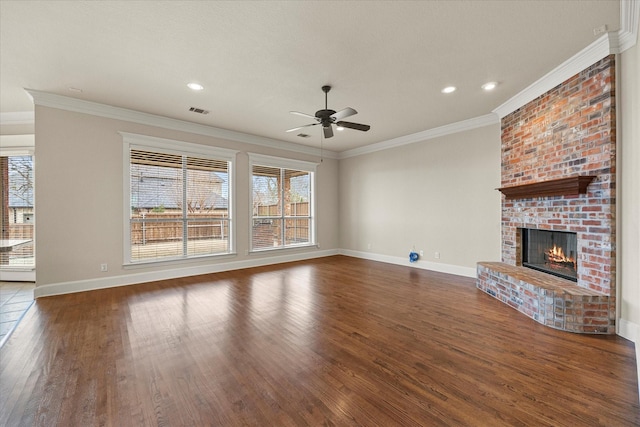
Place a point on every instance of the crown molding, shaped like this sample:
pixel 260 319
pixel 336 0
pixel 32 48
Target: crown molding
pixel 464 125
pixel 17 118
pixel 577 63
pixel 629 17
pixel 607 44
pixel 47 99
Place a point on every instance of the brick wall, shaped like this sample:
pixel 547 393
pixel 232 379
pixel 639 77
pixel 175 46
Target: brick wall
pixel 568 131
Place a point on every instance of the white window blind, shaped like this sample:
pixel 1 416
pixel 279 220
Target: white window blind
pixel 17 211
pixel 282 205
pixel 179 205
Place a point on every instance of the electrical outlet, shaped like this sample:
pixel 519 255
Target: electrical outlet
pixel 369 246
pixel 437 255
pixel 421 253
pixel 104 267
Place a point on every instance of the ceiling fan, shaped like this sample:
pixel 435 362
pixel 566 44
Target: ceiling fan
pixel 328 117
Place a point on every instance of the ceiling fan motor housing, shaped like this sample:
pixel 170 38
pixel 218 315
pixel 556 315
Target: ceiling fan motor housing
pixel 325 117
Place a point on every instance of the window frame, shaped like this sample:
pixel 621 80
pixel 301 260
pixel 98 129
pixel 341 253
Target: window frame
pixel 7 149
pixel 284 163
pixel 133 141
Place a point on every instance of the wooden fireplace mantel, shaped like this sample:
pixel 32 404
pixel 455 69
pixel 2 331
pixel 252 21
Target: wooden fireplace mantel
pixel 572 186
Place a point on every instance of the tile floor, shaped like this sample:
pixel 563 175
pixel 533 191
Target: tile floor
pixel 15 300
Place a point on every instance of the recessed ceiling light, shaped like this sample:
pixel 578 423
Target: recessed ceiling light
pixel 75 89
pixel 339 128
pixel 195 86
pixel 489 86
pixel 449 89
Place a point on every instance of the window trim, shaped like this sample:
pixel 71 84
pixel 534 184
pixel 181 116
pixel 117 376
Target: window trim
pixel 284 163
pixel 170 146
pixel 22 273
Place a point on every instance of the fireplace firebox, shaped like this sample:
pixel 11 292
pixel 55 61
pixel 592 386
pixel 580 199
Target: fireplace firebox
pixel 553 252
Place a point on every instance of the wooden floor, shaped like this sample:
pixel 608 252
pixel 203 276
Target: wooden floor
pixel 333 341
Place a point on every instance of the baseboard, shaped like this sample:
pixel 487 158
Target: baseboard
pixel 151 276
pixel 18 276
pixel 631 331
pixel 425 265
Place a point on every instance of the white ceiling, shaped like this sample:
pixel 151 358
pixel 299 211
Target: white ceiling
pixel 258 60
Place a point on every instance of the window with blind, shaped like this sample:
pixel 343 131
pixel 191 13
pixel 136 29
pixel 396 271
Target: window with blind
pixel 16 211
pixel 282 203
pixel 179 205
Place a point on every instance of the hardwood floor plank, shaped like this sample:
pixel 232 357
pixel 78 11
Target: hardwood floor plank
pixel 333 341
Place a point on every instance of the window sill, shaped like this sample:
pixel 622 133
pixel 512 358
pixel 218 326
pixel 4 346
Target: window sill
pixel 172 261
pixel 283 248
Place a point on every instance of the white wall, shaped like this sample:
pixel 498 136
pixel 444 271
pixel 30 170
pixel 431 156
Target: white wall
pixel 438 195
pixel 80 213
pixel 628 92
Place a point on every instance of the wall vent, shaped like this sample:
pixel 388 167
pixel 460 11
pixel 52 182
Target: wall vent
pixel 198 110
pixel 304 135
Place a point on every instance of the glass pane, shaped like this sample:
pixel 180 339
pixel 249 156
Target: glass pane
pixel 207 188
pixel 153 239
pixel 208 237
pixel 296 231
pixel 266 233
pixel 156 189
pixel 17 212
pixel 297 190
pixel 266 192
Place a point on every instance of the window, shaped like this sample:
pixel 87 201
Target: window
pixel 16 208
pixel 178 200
pixel 282 203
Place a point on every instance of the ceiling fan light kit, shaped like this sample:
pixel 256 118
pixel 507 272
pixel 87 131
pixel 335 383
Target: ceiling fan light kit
pixel 328 117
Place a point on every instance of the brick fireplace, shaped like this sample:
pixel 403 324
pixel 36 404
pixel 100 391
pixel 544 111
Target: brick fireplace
pixel 558 173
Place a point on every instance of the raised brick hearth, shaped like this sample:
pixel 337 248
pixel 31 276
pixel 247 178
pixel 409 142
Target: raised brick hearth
pixel 567 132
pixel 550 300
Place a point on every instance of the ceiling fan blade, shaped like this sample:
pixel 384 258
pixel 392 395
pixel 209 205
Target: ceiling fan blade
pixel 302 127
pixel 297 113
pixel 328 131
pixel 344 113
pixel 356 126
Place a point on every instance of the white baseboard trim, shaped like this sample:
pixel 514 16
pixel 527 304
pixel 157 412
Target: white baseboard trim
pixel 151 276
pixel 18 276
pixel 425 265
pixel 631 331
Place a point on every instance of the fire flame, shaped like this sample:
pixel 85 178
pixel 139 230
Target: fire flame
pixel 556 255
